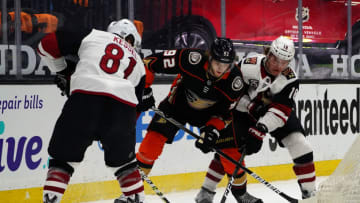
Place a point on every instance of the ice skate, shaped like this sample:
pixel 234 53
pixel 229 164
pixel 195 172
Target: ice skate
pixel 132 199
pixel 305 194
pixel 204 196
pixel 50 198
pixel 247 198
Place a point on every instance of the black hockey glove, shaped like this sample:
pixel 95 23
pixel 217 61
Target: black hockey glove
pixel 62 78
pixel 257 109
pixel 255 138
pixel 63 83
pixel 209 135
pixel 147 102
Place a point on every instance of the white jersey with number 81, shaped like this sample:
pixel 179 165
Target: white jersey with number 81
pixel 108 66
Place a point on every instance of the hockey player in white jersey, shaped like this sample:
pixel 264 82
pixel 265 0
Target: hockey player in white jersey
pixel 105 89
pixel 267 108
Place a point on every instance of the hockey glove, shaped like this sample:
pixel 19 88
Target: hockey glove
pixel 257 109
pixel 255 138
pixel 147 102
pixel 63 83
pixel 62 78
pixel 207 140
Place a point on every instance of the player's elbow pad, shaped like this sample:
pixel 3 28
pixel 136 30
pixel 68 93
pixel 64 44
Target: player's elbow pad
pixel 55 65
pixel 272 120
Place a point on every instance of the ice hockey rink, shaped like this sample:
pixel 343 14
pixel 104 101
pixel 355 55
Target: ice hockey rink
pixel 289 187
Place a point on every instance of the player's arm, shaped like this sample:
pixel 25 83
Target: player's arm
pixel 163 62
pixel 280 108
pixel 53 48
pixel 174 61
pixel 49 51
pixel 144 92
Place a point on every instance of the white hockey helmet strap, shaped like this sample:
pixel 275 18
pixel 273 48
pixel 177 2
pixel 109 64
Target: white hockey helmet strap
pixel 124 28
pixel 283 48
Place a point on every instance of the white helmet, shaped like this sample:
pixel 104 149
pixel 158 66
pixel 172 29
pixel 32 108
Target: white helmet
pixel 283 48
pixel 124 28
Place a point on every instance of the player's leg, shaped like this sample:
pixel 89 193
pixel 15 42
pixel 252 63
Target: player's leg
pixel 57 179
pixel 239 186
pixel 302 155
pixel 67 146
pixel 159 132
pixel 118 139
pixel 214 175
pixel 230 140
pixel 293 138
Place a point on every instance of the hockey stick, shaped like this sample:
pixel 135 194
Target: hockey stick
pixel 254 175
pixel 153 186
pixel 229 185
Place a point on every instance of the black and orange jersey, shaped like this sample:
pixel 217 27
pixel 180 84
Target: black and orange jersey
pixel 195 92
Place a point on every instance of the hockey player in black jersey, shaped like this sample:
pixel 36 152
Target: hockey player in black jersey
pixel 271 87
pixel 207 87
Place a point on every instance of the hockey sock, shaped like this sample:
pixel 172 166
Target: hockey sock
pixel 238 189
pixel 305 174
pixel 130 181
pixel 214 174
pixel 55 185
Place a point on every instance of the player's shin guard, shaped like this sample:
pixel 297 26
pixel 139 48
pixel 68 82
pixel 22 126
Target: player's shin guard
pixel 214 174
pixel 305 174
pixel 130 181
pixel 150 149
pixel 302 154
pixel 238 189
pixel 57 180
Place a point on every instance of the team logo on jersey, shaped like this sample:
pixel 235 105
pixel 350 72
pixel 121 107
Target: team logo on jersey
pixel 146 62
pixel 194 58
pixel 251 60
pixel 254 83
pixel 161 120
pixel 289 73
pixel 237 84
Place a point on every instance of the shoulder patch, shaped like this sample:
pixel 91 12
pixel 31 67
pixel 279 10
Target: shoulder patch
pixel 194 58
pixel 237 84
pixel 289 73
pixel 251 60
pixel 254 83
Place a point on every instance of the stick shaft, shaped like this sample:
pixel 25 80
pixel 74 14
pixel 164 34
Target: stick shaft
pixel 153 186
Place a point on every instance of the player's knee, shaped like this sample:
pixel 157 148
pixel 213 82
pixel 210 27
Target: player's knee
pixel 229 167
pixel 297 146
pixel 150 149
pixel 68 167
pixel 125 169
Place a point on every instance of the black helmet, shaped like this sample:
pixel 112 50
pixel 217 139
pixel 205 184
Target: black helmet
pixel 222 49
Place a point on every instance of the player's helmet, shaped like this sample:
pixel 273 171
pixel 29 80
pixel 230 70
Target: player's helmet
pixel 283 48
pixel 222 49
pixel 125 28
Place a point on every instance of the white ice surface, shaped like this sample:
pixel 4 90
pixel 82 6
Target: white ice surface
pixel 289 187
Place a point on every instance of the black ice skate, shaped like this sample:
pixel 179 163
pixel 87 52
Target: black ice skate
pixel 48 199
pixel 247 198
pixel 132 199
pixel 204 196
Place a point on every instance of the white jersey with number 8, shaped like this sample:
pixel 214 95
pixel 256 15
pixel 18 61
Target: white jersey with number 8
pixel 108 66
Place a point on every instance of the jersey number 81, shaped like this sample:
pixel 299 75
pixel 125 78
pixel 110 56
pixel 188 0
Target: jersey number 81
pixel 115 53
